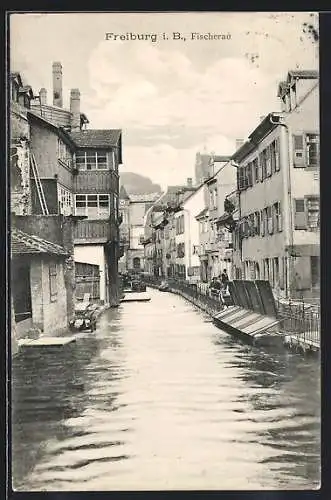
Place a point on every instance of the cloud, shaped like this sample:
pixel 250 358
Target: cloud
pixel 170 98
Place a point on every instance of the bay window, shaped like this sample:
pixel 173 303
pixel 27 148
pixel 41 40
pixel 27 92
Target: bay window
pixel 93 206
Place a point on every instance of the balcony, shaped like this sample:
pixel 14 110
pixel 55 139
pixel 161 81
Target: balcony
pixel 94 232
pixel 95 181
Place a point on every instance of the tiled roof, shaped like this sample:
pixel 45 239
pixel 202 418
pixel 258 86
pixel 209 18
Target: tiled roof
pixel 147 197
pixel 104 138
pixel 23 243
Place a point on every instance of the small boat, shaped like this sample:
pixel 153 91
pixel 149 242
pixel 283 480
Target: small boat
pixel 134 290
pixel 164 287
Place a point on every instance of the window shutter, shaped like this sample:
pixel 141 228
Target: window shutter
pixel 277 155
pixel 280 218
pixel 262 223
pixel 270 220
pixel 299 150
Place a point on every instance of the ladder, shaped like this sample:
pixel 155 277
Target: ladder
pixel 39 186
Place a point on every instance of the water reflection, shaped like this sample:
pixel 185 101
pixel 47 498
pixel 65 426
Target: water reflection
pixel 160 398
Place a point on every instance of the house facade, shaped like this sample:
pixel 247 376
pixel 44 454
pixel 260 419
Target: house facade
pixel 96 200
pixel 277 235
pixel 187 236
pixel 162 233
pixel 139 205
pixel 124 214
pixel 42 278
pixel 215 241
pixel 70 171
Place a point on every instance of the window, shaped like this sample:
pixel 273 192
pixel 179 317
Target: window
pixel 92 160
pixel 277 217
pixel 266 269
pixel 181 250
pixel 195 249
pixel 256 170
pixel 63 152
pixel 264 221
pixel 251 225
pixel 241 179
pixel 65 201
pixel 94 206
pixel 270 220
pixel 299 214
pixel 276 275
pixel 257 223
pixel 276 152
pixel 306 150
pixel 268 169
pixel 299 156
pixel 263 165
pixel 249 175
pixel 312 144
pixel 313 213
pixel 53 282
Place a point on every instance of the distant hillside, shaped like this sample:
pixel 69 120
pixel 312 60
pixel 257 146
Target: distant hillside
pixel 138 184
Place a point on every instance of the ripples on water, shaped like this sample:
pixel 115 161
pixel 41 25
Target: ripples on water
pixel 160 398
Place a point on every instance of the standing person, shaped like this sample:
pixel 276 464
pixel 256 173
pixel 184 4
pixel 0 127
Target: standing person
pixel 224 278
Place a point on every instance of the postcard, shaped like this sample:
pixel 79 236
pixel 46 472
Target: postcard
pixel 165 251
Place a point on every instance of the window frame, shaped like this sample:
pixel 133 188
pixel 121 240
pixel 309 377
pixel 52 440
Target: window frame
pixel 90 153
pixel 303 225
pixel 86 201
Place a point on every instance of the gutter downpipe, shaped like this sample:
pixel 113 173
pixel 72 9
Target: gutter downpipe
pixel 236 165
pixel 286 161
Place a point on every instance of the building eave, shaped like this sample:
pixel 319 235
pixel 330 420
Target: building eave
pixel 58 130
pixel 258 134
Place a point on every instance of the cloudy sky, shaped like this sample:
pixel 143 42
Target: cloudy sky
pixel 171 98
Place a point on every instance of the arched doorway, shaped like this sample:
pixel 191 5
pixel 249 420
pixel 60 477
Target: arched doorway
pixel 136 263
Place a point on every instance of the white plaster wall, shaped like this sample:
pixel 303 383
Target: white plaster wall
pixel 93 254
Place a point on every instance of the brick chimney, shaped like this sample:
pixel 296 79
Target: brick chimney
pixel 239 143
pixel 43 96
pixel 57 84
pixel 75 109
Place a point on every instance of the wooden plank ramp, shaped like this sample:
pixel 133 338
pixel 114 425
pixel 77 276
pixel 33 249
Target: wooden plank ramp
pixel 47 342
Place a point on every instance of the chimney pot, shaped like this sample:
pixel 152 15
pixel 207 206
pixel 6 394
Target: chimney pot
pixel 43 96
pixel 75 109
pixel 57 84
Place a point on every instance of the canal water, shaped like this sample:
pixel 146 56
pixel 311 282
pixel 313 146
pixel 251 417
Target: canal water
pixel 159 398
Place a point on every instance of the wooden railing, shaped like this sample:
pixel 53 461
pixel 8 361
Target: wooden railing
pixel 92 231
